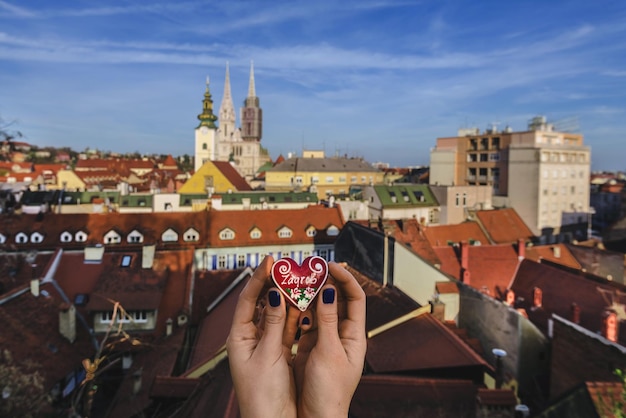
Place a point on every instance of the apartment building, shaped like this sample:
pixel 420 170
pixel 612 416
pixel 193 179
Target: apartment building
pixel 541 172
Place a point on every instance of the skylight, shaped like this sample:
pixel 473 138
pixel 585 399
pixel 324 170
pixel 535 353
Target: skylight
pixel 126 259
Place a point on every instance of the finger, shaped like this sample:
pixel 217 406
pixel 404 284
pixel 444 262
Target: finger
pixel 291 327
pixel 306 321
pixel 326 316
pixel 275 317
pixel 246 305
pixel 352 292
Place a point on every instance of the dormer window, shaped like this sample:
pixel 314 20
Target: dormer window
pixel 284 232
pixel 112 237
pixel 81 236
pixel 21 238
pixel 66 237
pixel 311 231
pixel 191 235
pixel 332 231
pixel 255 233
pixel 227 234
pixel 169 236
pixel 36 238
pixel 135 237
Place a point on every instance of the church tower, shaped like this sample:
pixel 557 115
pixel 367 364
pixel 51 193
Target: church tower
pixel 251 114
pixel 227 111
pixel 205 132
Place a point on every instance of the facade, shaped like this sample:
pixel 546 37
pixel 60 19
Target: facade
pixel 402 201
pixel 214 177
pixel 542 173
pixel 225 141
pixel 455 200
pixel 322 175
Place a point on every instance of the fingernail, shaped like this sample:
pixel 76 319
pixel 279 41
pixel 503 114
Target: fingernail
pixel 274 298
pixel 306 321
pixel 328 295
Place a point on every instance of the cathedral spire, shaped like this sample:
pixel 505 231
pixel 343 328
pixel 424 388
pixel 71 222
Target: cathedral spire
pixel 251 89
pixel 207 118
pixel 227 109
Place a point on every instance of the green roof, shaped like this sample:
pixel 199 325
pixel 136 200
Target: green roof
pixel 406 195
pixel 256 197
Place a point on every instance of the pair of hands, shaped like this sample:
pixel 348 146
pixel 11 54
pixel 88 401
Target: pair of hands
pixel 322 377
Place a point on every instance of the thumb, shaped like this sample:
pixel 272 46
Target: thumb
pixel 327 332
pixel 275 315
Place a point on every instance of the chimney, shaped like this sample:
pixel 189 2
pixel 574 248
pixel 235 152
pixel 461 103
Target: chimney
pixel 465 274
pixel 556 250
pixel 34 287
pixel 169 325
pixel 609 325
pixel 537 297
pixel 500 354
pixel 67 322
pixel 510 297
pixel 575 310
pixel 521 249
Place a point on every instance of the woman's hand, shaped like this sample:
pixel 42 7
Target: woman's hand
pixel 330 357
pixel 260 353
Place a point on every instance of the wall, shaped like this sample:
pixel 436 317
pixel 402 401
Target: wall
pixel 414 276
pixel 442 167
pixel 496 325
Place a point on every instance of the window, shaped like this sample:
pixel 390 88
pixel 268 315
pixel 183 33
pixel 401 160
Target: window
pixel 135 237
pixel 342 179
pixel 36 237
pixel 484 157
pixel 204 146
pixel 315 180
pixel 66 237
pixel 191 235
pixel 572 190
pixel 392 194
pixel 362 179
pixel 405 196
pixel 227 234
pixel 169 236
pixel 330 179
pixel 298 180
pixel 494 156
pixel 131 316
pixel 284 233
pixel 255 234
pixel 464 199
pixel 221 261
pixel 126 259
pixel 81 236
pixel 311 232
pixel 457 200
pixel 332 231
pixel 241 260
pixel 21 238
pixel 420 196
pixel 353 179
pixel 323 254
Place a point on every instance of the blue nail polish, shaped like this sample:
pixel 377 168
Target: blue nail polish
pixel 328 295
pixel 306 321
pixel 274 298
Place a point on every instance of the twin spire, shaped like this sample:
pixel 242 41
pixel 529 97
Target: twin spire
pixel 207 118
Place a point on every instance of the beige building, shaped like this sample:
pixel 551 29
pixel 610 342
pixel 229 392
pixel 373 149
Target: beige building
pixel 224 141
pixel 542 173
pixel 322 175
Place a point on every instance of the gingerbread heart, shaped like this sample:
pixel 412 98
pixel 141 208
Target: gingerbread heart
pixel 300 283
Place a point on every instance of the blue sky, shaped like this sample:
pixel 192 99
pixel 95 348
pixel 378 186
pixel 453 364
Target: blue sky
pixel 373 78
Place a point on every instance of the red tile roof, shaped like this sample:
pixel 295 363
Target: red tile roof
pixel 29 330
pixel 404 396
pixel 232 175
pixel 441 235
pixel 491 267
pixel 422 343
pixel 504 226
pixel 497 397
pixel 550 252
pixel 16 271
pixel 560 289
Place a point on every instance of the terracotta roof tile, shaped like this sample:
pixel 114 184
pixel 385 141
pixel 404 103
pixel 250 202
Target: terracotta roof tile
pixel 491 267
pixel 557 253
pixel 441 235
pixel 232 175
pixel 504 226
pixel 410 233
pixel 560 289
pixel 497 397
pixel 29 330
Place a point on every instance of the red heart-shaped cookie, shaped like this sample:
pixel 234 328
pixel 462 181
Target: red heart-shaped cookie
pixel 300 283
